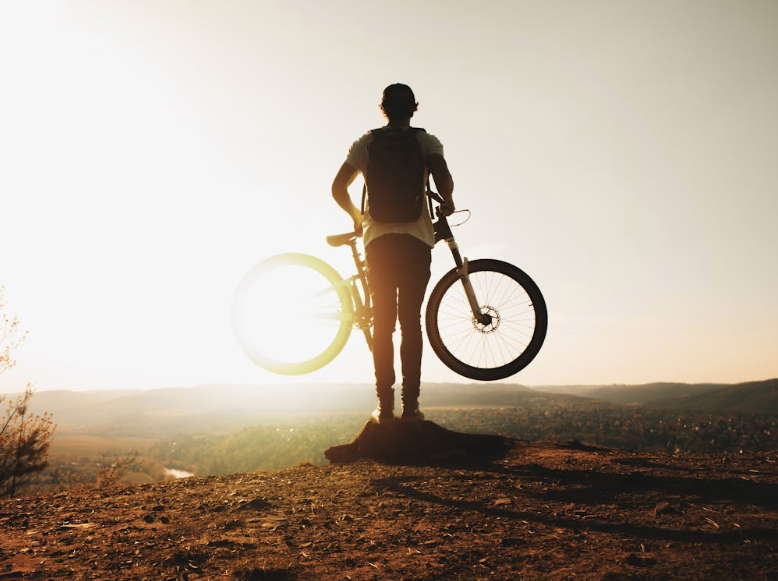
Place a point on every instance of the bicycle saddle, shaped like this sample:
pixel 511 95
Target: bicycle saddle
pixel 341 239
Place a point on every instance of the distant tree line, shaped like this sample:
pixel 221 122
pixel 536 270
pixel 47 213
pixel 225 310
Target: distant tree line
pixel 623 427
pixel 272 447
pixel 265 447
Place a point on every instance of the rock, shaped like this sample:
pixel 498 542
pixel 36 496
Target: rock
pixel 418 442
pixel 576 445
pixel 640 561
pixel 512 541
pixel 665 508
pixel 256 504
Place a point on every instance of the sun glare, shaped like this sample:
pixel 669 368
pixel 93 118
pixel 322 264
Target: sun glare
pixel 289 317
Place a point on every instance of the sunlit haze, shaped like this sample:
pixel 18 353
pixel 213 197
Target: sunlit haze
pixel 622 153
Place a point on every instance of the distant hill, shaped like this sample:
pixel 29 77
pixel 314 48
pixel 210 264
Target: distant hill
pixel 635 394
pixel 169 410
pixel 754 396
pixel 166 411
pixel 490 394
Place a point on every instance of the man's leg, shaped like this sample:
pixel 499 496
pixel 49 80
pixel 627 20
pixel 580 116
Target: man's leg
pixel 412 287
pixel 381 264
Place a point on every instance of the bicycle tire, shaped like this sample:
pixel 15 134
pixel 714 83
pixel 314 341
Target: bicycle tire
pixel 292 314
pixel 496 351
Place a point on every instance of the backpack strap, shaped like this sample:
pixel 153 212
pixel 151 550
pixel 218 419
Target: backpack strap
pixel 429 193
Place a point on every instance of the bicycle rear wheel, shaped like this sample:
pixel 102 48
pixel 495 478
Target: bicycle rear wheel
pixel 292 314
pixel 507 344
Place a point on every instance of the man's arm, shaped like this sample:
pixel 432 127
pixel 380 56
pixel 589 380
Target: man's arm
pixel 346 176
pixel 443 180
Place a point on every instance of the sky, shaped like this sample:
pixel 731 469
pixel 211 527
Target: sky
pixel 623 153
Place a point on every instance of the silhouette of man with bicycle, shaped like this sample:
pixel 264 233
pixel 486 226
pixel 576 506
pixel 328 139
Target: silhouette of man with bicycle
pixel 396 161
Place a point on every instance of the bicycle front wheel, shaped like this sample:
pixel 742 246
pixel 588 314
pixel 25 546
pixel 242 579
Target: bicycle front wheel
pixel 516 327
pixel 292 314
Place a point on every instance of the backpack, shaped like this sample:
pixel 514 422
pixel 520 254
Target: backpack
pixel 394 180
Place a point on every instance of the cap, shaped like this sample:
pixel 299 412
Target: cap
pixel 398 93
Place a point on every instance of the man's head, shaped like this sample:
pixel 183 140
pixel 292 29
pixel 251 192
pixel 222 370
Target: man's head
pixel 398 102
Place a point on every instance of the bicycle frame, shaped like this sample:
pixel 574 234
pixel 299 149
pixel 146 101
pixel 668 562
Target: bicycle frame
pixel 469 338
pixel 363 310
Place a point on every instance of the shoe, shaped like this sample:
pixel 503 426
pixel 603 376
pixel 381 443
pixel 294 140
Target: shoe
pixel 385 410
pixel 414 415
pixel 382 416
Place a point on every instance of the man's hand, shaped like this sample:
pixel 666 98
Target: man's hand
pixel 357 223
pixel 446 209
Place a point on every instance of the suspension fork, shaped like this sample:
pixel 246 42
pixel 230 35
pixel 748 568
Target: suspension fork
pixel 464 276
pixel 443 232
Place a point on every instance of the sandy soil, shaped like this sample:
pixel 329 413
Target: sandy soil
pixel 543 511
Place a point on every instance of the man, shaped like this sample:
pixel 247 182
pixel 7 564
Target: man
pixel 398 250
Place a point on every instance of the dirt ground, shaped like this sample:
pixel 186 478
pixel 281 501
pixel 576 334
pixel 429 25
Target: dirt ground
pixel 545 510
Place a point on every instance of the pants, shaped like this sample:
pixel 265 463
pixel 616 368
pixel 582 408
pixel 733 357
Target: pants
pixel 398 269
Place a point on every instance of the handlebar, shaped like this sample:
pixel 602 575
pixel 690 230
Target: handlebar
pixel 441 225
pixel 443 206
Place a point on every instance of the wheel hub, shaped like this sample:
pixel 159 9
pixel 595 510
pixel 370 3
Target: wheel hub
pixel 490 320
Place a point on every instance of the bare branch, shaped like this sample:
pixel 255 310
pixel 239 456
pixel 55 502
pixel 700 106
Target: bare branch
pixel 111 471
pixel 24 437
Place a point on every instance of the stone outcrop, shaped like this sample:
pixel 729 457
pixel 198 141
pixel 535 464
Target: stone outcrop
pixel 418 442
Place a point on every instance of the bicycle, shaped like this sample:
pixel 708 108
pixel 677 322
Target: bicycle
pixel 485 319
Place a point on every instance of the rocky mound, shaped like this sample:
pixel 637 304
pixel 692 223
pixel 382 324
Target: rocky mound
pixel 398 442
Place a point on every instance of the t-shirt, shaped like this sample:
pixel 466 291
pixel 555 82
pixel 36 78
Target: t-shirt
pixel 422 227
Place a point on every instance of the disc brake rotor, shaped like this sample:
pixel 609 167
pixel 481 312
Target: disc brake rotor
pixel 492 323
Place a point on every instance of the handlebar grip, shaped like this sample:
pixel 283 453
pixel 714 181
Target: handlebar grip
pixel 439 199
